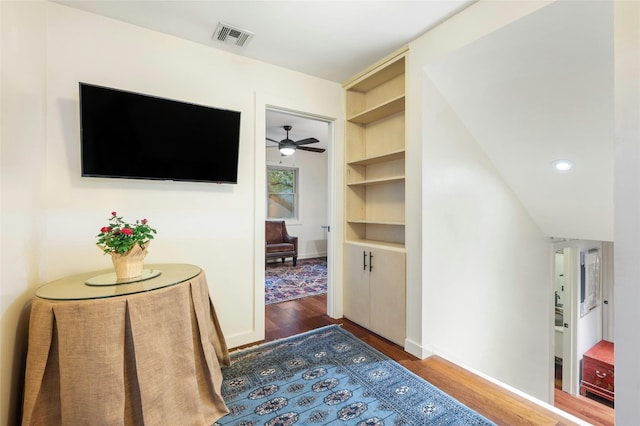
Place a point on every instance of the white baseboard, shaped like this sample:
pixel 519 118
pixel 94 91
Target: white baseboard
pixel 526 396
pixel 233 341
pixel 416 350
pixel 311 255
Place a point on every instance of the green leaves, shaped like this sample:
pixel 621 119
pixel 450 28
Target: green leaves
pixel 120 236
pixel 280 180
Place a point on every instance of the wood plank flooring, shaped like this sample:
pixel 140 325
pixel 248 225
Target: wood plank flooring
pixel 502 407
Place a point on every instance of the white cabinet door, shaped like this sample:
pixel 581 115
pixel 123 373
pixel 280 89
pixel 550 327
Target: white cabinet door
pixel 356 286
pixel 374 290
pixel 387 295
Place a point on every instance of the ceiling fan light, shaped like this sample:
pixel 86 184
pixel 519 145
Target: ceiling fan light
pixel 287 150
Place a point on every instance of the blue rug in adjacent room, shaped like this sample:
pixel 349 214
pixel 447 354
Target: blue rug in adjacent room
pixel 329 377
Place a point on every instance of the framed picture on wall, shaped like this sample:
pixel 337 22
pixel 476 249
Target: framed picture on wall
pixel 590 287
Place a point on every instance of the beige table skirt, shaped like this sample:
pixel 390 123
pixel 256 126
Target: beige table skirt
pixel 150 358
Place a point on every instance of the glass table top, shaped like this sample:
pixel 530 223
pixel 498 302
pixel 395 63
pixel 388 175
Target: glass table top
pixel 103 284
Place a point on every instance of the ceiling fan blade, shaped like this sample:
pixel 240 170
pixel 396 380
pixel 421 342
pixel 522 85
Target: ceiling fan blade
pixel 311 149
pixel 307 141
pixel 273 140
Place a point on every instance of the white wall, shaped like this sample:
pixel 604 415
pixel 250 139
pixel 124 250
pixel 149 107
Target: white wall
pixel 22 150
pixel 208 225
pixel 480 291
pixel 486 264
pixel 313 214
pixel 627 211
pixel 50 215
pixel 460 30
pixel 469 25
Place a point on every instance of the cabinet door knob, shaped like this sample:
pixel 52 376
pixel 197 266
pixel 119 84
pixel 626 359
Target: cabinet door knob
pixel 600 374
pixel 364 260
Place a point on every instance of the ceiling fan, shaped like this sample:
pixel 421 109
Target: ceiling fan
pixel 288 146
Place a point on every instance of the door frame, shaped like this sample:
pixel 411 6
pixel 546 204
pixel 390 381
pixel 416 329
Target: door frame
pixel 582 330
pixel 570 371
pixel 334 248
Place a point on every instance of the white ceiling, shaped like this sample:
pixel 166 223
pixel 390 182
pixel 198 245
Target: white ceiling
pixel 332 40
pixel 535 91
pixel 539 90
pixel 301 128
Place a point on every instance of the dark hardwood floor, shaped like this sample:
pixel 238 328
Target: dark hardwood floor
pixel 502 407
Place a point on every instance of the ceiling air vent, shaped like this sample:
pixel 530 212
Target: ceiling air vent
pixel 229 34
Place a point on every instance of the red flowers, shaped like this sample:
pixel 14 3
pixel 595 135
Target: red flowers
pixel 120 236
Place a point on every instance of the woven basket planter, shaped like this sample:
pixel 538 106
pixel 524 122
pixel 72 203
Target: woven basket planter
pixel 129 265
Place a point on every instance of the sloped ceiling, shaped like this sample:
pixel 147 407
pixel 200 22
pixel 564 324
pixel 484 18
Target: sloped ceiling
pixel 539 90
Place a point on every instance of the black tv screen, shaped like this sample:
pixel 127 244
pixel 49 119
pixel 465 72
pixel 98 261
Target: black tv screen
pixel 135 136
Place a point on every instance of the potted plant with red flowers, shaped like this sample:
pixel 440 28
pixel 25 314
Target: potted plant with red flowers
pixel 126 243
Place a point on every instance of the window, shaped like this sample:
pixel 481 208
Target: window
pixel 282 192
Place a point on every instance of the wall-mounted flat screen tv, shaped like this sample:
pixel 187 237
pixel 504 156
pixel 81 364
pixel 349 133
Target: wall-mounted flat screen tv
pixel 135 136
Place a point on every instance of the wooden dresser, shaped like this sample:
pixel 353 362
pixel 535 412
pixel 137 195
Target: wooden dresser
pixel 597 371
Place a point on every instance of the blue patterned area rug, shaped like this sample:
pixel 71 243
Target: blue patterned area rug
pixel 284 282
pixel 329 377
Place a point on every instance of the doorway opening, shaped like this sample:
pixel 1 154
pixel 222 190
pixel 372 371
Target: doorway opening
pixel 559 303
pixel 297 192
pixel 582 308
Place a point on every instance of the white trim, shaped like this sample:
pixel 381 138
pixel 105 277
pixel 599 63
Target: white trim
pixel 527 396
pixel 608 295
pixel 335 214
pixel 416 349
pixel 571 308
pixel 259 214
pixel 334 248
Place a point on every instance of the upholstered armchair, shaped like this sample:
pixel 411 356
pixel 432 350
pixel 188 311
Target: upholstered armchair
pixel 278 243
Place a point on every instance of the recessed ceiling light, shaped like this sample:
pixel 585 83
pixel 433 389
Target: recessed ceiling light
pixel 562 165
